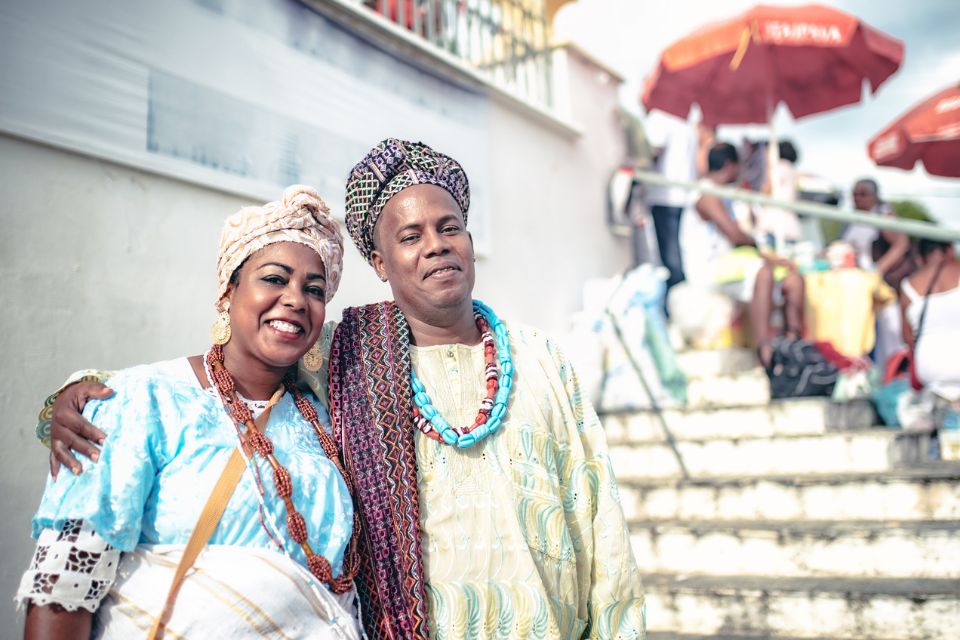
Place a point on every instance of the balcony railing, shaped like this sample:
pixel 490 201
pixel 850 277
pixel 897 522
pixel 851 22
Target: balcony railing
pixel 505 40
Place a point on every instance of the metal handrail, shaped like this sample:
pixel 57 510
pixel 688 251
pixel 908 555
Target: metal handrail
pixel 654 405
pixel 913 228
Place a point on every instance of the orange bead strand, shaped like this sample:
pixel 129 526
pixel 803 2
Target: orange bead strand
pixel 255 440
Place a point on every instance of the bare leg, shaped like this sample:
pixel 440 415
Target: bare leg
pixel 793 305
pixel 761 308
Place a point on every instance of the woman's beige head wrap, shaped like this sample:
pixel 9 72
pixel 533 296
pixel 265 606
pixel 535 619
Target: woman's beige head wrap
pixel 300 215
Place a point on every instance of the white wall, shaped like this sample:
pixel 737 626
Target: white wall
pixel 548 204
pixel 100 266
pixel 106 266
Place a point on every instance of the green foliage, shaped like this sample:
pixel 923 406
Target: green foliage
pixel 906 209
pixel 831 230
pixel 911 210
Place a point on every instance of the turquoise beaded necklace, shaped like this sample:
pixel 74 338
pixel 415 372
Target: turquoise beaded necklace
pixel 496 342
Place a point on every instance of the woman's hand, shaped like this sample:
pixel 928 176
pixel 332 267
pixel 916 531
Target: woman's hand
pixel 70 431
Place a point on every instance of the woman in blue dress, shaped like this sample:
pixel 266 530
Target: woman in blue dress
pixel 281 559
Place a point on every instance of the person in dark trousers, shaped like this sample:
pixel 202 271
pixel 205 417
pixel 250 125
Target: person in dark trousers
pixel 681 156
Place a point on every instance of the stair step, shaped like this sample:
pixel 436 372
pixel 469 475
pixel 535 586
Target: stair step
pixel 835 548
pixel 732 635
pixel 716 362
pixel 927 493
pixel 743 389
pixel 624 392
pixel 806 416
pixel 848 608
pixel 855 451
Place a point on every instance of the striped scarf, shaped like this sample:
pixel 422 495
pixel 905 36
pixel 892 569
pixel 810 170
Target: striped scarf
pixel 371 403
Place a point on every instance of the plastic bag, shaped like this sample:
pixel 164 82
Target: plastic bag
pixel 853 384
pixel 886 399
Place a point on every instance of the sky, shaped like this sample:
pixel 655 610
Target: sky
pixel 629 35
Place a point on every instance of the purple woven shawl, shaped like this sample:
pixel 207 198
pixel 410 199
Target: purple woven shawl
pixel 371 404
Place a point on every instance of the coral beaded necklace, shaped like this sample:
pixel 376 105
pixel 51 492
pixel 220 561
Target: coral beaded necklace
pixel 496 349
pixel 256 441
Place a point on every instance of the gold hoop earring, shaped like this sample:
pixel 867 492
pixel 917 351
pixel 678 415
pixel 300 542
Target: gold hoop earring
pixel 313 358
pixel 220 331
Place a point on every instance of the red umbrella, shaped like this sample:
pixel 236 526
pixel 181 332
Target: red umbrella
pixel 929 132
pixel 813 58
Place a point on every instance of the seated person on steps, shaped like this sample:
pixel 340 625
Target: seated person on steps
pixel 712 244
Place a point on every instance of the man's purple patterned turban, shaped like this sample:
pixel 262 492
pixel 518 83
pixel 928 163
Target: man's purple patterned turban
pixel 389 168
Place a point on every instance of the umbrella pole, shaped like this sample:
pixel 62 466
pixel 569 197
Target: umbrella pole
pixel 773 164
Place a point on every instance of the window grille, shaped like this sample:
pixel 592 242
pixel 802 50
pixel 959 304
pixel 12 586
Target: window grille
pixel 506 40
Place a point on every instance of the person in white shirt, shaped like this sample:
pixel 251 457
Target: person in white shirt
pixel 933 294
pixel 886 252
pixel 678 145
pixel 779 227
pixel 709 235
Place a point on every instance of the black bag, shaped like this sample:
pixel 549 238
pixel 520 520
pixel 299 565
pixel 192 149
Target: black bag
pixel 798 370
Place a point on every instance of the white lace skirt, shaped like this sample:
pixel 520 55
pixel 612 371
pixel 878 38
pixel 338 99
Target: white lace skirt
pixel 231 592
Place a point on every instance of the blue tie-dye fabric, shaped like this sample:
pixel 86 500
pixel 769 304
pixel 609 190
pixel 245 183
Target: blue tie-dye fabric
pixel 167 444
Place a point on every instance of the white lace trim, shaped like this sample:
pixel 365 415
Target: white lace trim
pixel 256 406
pixel 73 567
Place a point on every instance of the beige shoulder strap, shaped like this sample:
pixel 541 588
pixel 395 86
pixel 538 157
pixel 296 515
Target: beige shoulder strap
pixel 208 521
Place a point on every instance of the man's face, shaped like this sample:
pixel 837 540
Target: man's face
pixel 424 251
pixel 731 172
pixel 864 197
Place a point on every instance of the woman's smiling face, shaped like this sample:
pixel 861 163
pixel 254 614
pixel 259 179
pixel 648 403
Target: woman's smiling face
pixel 277 304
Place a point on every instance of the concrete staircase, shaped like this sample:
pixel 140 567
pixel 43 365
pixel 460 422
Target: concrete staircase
pixel 796 519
